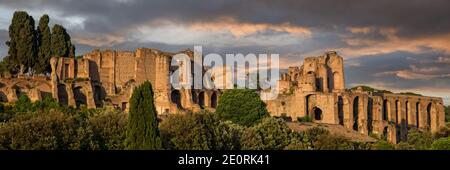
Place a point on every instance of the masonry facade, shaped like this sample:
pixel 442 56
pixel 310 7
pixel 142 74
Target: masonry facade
pixel 316 89
pixel 107 78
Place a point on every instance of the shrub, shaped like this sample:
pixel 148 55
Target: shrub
pixel 420 140
pixel 23 105
pixel 383 145
pixel 250 139
pixel 312 135
pixel 330 142
pixel 48 131
pixel 304 119
pixel 443 132
pixel 274 133
pixel 104 131
pixel 441 144
pixel 198 131
pixel 241 106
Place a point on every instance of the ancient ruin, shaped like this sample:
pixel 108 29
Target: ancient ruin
pixel 316 89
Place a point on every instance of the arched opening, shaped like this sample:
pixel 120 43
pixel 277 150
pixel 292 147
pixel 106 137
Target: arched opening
pixel 175 96
pixel 308 105
pixel 417 114
pixel 213 100
pixel 385 133
pixel 317 113
pixel 62 94
pixel 80 97
pixel 355 113
pixel 98 95
pixel 385 110
pixel 397 111
pixel 3 97
pixel 369 115
pixel 429 115
pixel 406 120
pixel 341 110
pixel 194 96
pixel 201 99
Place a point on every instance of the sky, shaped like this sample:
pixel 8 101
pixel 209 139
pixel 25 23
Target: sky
pixel 401 45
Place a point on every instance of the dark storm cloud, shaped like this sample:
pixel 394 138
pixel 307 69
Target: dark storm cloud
pixel 408 38
pixel 401 70
pixel 412 17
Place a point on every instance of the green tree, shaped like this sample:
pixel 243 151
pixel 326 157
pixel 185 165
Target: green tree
pixel 242 106
pixel 61 45
pixel 142 130
pixel 274 133
pixel 44 46
pixel 420 140
pixel 441 144
pixel 199 131
pixel 22 44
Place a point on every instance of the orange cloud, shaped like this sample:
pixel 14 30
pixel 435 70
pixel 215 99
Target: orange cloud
pixel 360 30
pixel 392 43
pixel 105 40
pixel 243 29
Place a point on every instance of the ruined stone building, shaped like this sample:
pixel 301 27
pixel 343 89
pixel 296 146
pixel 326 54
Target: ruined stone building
pixel 315 89
pixel 102 78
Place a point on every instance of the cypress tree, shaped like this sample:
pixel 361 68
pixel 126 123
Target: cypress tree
pixel 61 45
pixel 42 64
pixel 142 129
pixel 22 44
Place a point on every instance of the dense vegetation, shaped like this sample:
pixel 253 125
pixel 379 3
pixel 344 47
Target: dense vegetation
pixel 241 106
pixel 30 48
pixel 47 125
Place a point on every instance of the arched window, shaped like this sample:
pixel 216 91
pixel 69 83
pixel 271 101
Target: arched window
pixel 176 98
pixel 355 113
pixel 317 113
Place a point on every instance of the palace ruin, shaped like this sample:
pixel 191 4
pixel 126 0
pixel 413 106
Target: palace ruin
pixel 315 89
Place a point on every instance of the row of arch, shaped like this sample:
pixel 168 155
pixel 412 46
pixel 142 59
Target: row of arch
pixel 199 98
pixel 412 117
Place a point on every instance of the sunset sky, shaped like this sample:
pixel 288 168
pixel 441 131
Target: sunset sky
pixel 401 45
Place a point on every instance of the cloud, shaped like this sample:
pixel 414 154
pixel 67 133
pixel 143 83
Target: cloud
pixel 404 43
pixel 245 29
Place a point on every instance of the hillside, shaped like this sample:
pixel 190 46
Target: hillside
pixel 338 130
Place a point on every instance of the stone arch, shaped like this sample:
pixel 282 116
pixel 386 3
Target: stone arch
pixel 175 97
pixel 369 115
pixel 63 96
pixel 79 96
pixel 418 114
pixel 407 110
pixel 341 110
pixel 385 133
pixel 309 104
pixel 429 112
pixel 318 115
pixel 355 113
pixel 386 108
pixel 213 100
pixel 201 99
pixel 337 78
pixel 98 95
pixel 194 96
pixel 397 111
